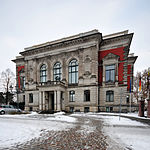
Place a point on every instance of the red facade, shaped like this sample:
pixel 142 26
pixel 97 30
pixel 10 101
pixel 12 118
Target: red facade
pixel 129 77
pixel 19 69
pixel 117 51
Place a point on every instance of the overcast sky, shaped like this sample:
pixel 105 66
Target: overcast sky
pixel 24 23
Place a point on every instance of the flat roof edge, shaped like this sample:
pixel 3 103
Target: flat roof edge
pixel 63 39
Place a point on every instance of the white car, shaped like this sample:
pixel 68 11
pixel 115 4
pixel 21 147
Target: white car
pixel 8 109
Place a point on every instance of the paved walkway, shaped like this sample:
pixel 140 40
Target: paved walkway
pixel 87 135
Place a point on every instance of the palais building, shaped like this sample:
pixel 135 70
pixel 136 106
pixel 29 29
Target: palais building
pixel 84 72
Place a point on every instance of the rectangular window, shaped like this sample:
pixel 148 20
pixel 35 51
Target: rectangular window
pixel 109 96
pixel 30 98
pixel 24 98
pixel 86 109
pixel 87 95
pixel 30 108
pixel 71 109
pixel 72 96
pixel 109 109
pixel 23 84
pixel 110 73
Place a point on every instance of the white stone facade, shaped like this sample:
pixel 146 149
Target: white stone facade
pixel 52 95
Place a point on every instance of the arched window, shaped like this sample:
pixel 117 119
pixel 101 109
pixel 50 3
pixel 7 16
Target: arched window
pixel 57 72
pixel 71 96
pixel 43 74
pixel 73 71
pixel 109 96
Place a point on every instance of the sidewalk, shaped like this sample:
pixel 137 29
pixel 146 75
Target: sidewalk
pixel 133 116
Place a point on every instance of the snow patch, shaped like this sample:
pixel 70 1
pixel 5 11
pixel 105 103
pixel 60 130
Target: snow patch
pixel 62 118
pixel 131 134
pixel 59 113
pixel 18 129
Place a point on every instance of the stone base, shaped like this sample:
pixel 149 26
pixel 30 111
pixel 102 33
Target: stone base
pixel 83 109
pixel 141 108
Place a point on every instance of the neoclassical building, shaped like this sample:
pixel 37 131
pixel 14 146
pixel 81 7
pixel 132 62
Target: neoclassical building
pixel 84 72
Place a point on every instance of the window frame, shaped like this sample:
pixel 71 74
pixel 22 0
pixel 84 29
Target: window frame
pixel 43 73
pixel 71 109
pixel 110 73
pixel 86 95
pixel 57 71
pixel 72 96
pixel 23 82
pixel 86 109
pixel 30 97
pixel 110 96
pixel 73 72
pixel 109 108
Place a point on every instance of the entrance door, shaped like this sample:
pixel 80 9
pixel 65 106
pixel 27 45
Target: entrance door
pixel 52 101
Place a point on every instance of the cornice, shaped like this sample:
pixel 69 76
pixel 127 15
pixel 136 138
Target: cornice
pixel 64 44
pixel 132 59
pixel 118 38
pixel 77 48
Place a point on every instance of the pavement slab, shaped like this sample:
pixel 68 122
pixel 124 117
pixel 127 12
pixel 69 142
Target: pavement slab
pixel 86 135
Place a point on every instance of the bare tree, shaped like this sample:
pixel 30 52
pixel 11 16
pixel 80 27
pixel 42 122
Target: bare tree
pixel 8 82
pixel 136 85
pixel 144 85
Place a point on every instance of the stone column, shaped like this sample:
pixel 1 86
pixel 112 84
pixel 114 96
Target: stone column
pixel 50 101
pixel 148 108
pixel 40 100
pixel 58 101
pixel 55 100
pixel 43 100
pixel 141 108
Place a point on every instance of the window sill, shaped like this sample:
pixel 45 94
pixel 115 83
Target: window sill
pixel 72 84
pixel 110 82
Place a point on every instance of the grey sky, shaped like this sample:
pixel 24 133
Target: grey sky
pixel 24 23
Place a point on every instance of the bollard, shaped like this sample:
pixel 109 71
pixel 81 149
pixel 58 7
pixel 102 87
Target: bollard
pixel 141 108
pixel 148 108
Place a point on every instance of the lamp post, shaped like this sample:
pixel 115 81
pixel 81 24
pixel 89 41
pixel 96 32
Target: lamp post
pixel 120 103
pixel 11 88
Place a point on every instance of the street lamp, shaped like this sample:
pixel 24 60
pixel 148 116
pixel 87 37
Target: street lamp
pixel 120 103
pixel 10 93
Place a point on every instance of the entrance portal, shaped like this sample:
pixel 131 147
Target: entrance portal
pixel 49 97
pixel 52 99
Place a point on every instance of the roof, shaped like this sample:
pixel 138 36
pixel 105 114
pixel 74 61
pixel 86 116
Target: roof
pixel 80 35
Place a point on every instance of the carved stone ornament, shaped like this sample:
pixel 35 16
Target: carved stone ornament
pixel 30 80
pixel 30 69
pixel 87 73
pixel 111 56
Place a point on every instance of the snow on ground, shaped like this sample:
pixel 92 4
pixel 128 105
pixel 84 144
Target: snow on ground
pixel 116 120
pixel 135 115
pixel 58 117
pixel 133 134
pixel 125 132
pixel 22 128
pixel 129 133
pixel 17 129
